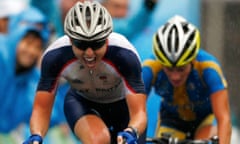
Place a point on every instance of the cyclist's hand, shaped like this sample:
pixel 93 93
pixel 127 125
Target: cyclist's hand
pixel 150 4
pixel 127 137
pixel 34 139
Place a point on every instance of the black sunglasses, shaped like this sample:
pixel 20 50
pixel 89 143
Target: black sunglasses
pixel 83 45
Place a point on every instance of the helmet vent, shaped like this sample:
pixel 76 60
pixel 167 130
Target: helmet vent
pixel 160 48
pixel 100 19
pixel 165 27
pixel 173 40
pixel 185 27
pixel 75 21
pixel 88 21
pixel 88 17
pixel 177 42
pixel 156 53
pixel 189 41
pixel 191 53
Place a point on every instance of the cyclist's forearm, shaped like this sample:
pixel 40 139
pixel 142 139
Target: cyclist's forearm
pixel 41 113
pixel 39 122
pixel 224 131
pixel 139 121
pixel 138 116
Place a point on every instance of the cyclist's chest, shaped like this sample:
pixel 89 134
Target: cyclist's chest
pixel 193 88
pixel 80 77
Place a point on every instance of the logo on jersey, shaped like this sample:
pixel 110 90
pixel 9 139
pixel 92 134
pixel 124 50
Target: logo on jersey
pixel 111 89
pixel 77 81
pixel 103 78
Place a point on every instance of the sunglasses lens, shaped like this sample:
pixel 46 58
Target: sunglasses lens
pixel 98 44
pixel 83 45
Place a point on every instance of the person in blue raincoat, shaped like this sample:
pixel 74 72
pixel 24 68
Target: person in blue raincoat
pixel 31 16
pixel 8 8
pixel 129 17
pixel 19 76
pixel 18 82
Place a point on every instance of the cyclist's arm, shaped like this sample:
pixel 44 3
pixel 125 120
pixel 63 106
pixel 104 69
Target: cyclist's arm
pixel 221 109
pixel 42 108
pixel 137 109
pixel 150 69
pixel 133 24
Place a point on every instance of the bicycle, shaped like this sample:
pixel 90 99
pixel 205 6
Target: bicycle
pixel 168 139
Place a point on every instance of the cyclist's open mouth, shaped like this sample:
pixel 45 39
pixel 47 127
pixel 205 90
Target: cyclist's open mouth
pixel 176 82
pixel 90 62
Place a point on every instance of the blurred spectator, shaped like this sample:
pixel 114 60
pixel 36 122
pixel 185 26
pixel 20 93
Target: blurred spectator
pixel 19 54
pixel 7 9
pixel 124 22
pixel 65 5
pixel 117 9
pixel 55 10
pixel 52 10
pixel 20 76
pixel 31 16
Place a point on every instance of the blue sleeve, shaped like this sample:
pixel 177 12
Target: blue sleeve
pixel 214 80
pixel 148 74
pixel 147 78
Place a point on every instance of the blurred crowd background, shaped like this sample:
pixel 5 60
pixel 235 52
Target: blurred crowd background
pixel 24 21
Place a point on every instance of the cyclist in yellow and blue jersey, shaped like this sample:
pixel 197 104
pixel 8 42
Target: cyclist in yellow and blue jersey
pixel 190 81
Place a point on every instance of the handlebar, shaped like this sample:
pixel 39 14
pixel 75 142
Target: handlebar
pixel 166 139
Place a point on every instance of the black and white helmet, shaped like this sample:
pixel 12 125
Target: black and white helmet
pixel 88 21
pixel 177 42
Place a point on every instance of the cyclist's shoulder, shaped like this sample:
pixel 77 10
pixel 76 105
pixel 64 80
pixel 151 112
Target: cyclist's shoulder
pixel 152 63
pixel 59 43
pixel 204 56
pixel 120 41
pixel 120 48
pixel 206 60
pixel 60 50
pixel 209 68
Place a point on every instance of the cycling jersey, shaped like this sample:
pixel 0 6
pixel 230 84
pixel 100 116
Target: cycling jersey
pixel 118 73
pixel 190 102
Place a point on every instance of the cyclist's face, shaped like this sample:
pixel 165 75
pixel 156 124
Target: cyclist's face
pixel 90 56
pixel 177 75
pixel 29 51
pixel 3 25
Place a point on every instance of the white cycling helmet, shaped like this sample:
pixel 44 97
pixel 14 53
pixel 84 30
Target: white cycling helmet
pixel 176 43
pixel 88 21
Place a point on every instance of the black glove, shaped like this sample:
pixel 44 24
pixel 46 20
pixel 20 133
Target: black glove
pixel 150 4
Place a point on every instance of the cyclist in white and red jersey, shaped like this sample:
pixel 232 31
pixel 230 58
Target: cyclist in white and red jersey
pixel 106 101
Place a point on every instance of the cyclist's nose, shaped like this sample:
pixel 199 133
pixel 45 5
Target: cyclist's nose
pixel 89 51
pixel 175 75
